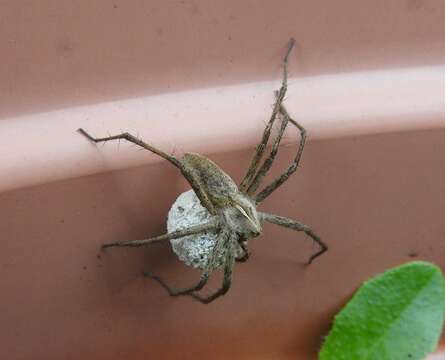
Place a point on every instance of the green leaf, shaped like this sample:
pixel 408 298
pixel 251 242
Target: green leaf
pixel 396 315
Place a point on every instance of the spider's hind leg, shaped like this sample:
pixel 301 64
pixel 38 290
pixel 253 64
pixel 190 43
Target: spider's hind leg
pixel 186 172
pixel 133 139
pixel 193 230
pixel 184 291
pixel 220 244
pixel 227 280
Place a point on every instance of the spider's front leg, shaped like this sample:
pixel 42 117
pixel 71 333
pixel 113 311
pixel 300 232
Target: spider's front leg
pixel 247 181
pixel 292 168
pixel 255 174
pixel 295 225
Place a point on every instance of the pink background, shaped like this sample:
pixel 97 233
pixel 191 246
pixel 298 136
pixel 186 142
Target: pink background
pixel 367 81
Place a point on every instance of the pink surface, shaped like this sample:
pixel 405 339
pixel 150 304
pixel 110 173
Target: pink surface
pixel 196 76
pixel 45 147
pixel 357 68
pixel 56 54
pixel 361 194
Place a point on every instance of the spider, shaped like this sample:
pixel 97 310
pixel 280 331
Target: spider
pixel 233 209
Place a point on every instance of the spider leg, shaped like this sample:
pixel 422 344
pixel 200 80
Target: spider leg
pixel 227 280
pixel 256 181
pixel 246 254
pixel 219 245
pixel 292 168
pixel 210 226
pixel 266 133
pixel 295 225
pixel 184 291
pixel 186 172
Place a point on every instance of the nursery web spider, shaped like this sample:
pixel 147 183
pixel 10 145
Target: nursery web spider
pixel 233 209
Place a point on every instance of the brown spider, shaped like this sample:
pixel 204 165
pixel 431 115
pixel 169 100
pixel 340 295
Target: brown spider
pixel 233 209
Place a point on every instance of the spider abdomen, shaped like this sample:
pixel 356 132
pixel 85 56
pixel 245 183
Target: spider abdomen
pixel 218 186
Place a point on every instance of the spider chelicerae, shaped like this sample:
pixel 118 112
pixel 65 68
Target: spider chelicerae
pixel 233 209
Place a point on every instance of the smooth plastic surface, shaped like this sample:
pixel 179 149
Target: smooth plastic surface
pixel 45 147
pixel 374 200
pixel 199 76
pixel 56 54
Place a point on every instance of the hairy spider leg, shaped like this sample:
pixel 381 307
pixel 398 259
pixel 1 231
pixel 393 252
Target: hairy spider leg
pixel 227 279
pixel 292 168
pixel 266 133
pixel 256 181
pixel 197 229
pixel 185 170
pixel 220 244
pixel 295 225
pixel 270 159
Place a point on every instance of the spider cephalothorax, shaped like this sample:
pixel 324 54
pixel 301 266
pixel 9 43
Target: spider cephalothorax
pixel 232 209
pixel 242 216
